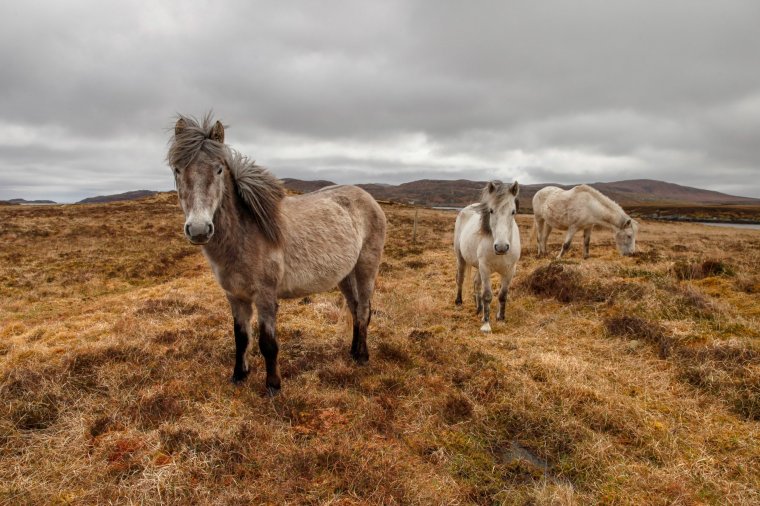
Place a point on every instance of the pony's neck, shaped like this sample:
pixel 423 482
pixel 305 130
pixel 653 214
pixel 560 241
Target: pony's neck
pixel 230 224
pixel 615 218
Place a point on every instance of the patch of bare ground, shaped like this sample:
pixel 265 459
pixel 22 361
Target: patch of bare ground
pixel 611 380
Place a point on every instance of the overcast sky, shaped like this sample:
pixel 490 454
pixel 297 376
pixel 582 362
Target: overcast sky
pixel 382 91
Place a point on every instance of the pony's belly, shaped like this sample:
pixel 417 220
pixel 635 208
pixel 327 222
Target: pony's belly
pixel 314 278
pixel 308 287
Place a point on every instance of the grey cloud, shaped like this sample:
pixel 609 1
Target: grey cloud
pixel 551 91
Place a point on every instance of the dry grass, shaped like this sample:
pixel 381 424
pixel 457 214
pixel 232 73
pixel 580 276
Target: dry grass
pixel 612 380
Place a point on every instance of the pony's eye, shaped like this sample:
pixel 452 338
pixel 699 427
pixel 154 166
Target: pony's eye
pixel 176 172
pixel 219 171
pixel 490 211
pixel 514 211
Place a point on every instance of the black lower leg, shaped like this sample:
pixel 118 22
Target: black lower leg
pixel 355 339
pixel 458 300
pixel 241 346
pixel 269 348
pixel 359 351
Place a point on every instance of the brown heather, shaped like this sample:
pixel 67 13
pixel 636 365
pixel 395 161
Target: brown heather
pixel 613 380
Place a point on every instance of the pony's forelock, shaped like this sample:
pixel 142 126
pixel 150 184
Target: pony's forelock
pixel 492 195
pixel 193 138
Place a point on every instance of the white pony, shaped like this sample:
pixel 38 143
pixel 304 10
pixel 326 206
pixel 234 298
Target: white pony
pixel 486 237
pixel 581 207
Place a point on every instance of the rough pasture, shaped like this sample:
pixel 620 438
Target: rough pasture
pixel 614 380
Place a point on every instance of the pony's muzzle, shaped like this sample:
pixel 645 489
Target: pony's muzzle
pixel 501 248
pixel 199 233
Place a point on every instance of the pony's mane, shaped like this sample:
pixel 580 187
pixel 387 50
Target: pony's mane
pixel 603 199
pixel 501 191
pixel 259 190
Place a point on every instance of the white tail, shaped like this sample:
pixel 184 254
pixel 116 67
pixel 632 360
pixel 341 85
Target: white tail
pixel 533 233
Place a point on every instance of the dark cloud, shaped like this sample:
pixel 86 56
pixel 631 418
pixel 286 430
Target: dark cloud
pixel 382 91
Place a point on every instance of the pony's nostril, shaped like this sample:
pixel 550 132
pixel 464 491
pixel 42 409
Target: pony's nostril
pixel 187 229
pixel 209 229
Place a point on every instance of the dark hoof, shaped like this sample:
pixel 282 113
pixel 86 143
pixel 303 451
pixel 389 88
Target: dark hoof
pixel 273 386
pixel 239 376
pixel 360 358
pixel 500 318
pixel 458 302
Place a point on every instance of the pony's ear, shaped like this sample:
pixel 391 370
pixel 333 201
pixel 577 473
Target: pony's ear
pixel 217 132
pixel 179 126
pixel 514 189
pixel 627 223
pixel 492 185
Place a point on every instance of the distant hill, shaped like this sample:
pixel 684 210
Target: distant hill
pixel 641 191
pixel 133 195
pixel 24 201
pixel 301 186
pixel 460 192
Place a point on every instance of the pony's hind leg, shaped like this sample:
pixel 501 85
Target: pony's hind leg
pixel 242 312
pixel 266 307
pixel 365 273
pixel 546 230
pixel 349 290
pixel 461 268
pixel 586 241
pixel 476 284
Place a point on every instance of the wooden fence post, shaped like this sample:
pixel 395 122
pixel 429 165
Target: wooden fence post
pixel 414 230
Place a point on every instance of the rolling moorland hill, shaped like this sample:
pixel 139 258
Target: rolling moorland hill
pixel 118 197
pixel 24 201
pixel 612 380
pixel 438 192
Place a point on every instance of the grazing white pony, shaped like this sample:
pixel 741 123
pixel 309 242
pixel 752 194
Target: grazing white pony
pixel 486 237
pixel 581 208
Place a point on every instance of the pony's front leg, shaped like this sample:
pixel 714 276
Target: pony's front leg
pixel 568 241
pixel 241 313
pixel 267 311
pixel 486 297
pixel 506 280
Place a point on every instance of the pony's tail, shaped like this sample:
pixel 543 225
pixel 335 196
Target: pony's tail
pixel 533 231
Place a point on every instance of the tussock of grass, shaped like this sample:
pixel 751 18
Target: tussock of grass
pixel 634 327
pixel 565 283
pixel 689 269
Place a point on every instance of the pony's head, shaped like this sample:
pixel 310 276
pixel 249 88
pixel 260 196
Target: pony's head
pixel 199 160
pixel 498 206
pixel 625 237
